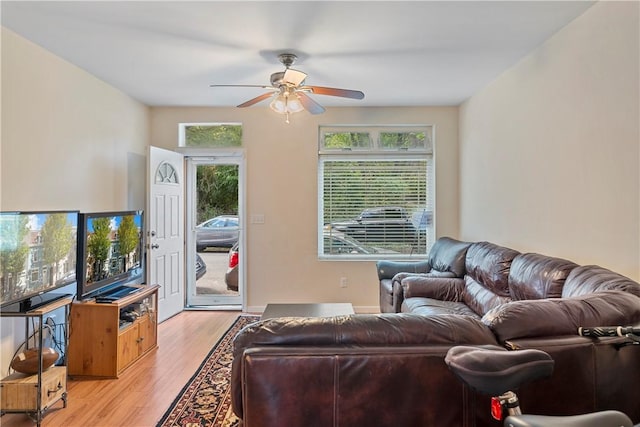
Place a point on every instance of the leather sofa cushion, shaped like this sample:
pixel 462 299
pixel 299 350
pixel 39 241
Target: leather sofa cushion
pixel 479 298
pixel 441 288
pixel 432 307
pixel 535 276
pixel 592 278
pixel 489 264
pixel 448 255
pixel 562 316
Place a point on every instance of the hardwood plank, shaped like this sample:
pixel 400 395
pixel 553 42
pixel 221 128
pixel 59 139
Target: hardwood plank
pixel 145 390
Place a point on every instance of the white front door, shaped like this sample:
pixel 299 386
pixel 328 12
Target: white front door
pixel 165 237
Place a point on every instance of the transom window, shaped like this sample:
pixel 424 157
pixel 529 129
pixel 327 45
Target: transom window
pixel 375 192
pixel 210 135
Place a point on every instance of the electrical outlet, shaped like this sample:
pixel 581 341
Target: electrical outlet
pixel 343 282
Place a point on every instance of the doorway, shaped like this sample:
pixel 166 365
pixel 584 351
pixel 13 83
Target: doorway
pixel 215 231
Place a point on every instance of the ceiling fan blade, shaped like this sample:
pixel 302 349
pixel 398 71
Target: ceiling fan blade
pixel 332 91
pixel 293 77
pixel 309 104
pixel 255 100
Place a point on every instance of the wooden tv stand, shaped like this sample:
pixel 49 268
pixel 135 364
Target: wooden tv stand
pixel 100 345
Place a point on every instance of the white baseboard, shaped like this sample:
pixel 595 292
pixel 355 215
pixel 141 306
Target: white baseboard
pixel 359 309
pixel 367 309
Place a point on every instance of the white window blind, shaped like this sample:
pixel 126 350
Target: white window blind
pixel 376 193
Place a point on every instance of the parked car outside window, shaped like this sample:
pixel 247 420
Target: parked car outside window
pixel 336 242
pixel 221 231
pixel 386 224
pixel 231 276
pixel 201 267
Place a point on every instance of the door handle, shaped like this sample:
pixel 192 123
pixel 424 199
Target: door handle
pixel 155 246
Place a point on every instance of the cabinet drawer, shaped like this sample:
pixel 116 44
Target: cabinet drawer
pixel 19 391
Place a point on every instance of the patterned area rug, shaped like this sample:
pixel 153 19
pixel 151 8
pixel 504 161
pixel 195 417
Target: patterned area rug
pixel 206 399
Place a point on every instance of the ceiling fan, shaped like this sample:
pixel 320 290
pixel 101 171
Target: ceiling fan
pixel 290 94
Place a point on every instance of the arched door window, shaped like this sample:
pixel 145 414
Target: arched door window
pixel 166 174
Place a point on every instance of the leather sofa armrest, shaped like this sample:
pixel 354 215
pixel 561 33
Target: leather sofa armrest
pixel 440 288
pixel 388 269
pixel 562 316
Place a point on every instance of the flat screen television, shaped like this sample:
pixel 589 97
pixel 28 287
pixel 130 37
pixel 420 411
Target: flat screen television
pixel 110 252
pixel 37 256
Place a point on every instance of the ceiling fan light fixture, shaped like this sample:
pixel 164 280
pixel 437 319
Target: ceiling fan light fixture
pixel 286 102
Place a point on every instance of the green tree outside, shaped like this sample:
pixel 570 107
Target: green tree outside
pixel 213 136
pixel 347 140
pixel 402 140
pixel 98 246
pixel 128 238
pixel 13 255
pixel 388 140
pixel 217 191
pixel 57 237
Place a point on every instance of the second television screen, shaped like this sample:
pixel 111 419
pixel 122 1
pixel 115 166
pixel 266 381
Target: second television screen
pixel 112 250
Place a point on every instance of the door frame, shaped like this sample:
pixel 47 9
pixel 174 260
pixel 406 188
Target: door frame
pixel 193 158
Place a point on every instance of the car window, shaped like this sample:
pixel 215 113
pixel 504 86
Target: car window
pixel 392 213
pixel 372 215
pixel 215 223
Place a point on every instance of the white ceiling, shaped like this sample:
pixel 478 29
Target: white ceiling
pixel 415 53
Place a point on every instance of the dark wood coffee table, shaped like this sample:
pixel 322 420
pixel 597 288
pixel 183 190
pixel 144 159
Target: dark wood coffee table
pixel 306 310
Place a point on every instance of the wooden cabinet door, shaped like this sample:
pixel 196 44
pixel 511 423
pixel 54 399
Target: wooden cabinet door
pixel 147 338
pixel 128 347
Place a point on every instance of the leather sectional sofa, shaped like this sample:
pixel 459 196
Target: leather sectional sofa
pixel 388 369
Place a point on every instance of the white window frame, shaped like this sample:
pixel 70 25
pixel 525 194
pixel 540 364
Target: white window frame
pixel 375 152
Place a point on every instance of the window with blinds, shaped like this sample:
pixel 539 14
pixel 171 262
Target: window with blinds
pixel 376 192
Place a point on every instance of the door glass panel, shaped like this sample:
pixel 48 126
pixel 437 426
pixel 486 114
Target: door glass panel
pixel 217 232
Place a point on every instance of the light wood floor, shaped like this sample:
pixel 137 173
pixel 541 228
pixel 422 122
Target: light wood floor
pixel 145 390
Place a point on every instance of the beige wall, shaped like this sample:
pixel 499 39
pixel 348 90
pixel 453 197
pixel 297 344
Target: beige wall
pixel 282 180
pixel 550 150
pixel 69 141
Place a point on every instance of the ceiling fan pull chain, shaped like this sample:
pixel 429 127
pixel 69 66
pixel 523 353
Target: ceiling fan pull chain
pixel 286 107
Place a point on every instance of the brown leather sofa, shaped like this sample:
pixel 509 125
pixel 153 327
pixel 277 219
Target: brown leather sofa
pixel 446 259
pixel 389 370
